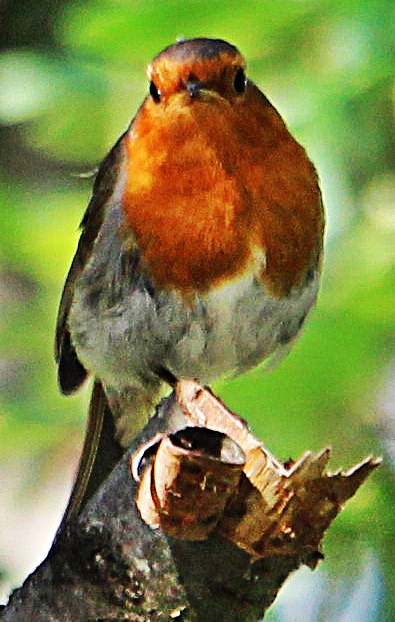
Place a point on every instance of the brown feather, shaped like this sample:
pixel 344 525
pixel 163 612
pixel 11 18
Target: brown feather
pixel 71 372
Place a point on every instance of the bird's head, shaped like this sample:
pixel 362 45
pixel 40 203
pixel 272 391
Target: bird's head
pixel 198 68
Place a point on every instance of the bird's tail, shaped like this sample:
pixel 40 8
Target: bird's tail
pixel 100 454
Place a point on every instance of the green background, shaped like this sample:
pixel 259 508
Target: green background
pixel 71 78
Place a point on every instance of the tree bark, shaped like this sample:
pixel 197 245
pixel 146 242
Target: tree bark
pixel 109 565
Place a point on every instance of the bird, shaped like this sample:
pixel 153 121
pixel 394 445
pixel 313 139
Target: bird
pixel 200 250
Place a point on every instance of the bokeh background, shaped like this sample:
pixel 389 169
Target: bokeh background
pixel 71 77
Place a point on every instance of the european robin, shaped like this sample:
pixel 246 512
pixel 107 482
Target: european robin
pixel 200 248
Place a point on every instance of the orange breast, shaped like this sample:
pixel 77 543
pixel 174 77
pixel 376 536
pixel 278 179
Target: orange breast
pixel 207 184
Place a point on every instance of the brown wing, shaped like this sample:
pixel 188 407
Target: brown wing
pixel 71 372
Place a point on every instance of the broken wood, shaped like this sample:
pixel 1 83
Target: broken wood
pixel 224 524
pixel 270 509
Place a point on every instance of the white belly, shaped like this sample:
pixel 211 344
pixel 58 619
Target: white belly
pixel 226 331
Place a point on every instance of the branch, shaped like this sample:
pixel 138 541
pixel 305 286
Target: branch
pixel 224 525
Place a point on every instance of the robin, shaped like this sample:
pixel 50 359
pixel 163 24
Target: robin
pixel 200 248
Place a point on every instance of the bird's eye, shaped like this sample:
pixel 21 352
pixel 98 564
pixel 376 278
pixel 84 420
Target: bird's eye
pixel 240 81
pixel 154 92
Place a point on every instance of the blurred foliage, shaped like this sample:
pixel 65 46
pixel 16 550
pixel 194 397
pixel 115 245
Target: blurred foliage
pixel 71 77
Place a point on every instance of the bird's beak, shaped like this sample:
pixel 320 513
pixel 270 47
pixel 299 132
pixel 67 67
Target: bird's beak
pixel 195 88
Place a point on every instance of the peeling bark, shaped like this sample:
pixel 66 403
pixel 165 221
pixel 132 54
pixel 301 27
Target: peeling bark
pixel 109 565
